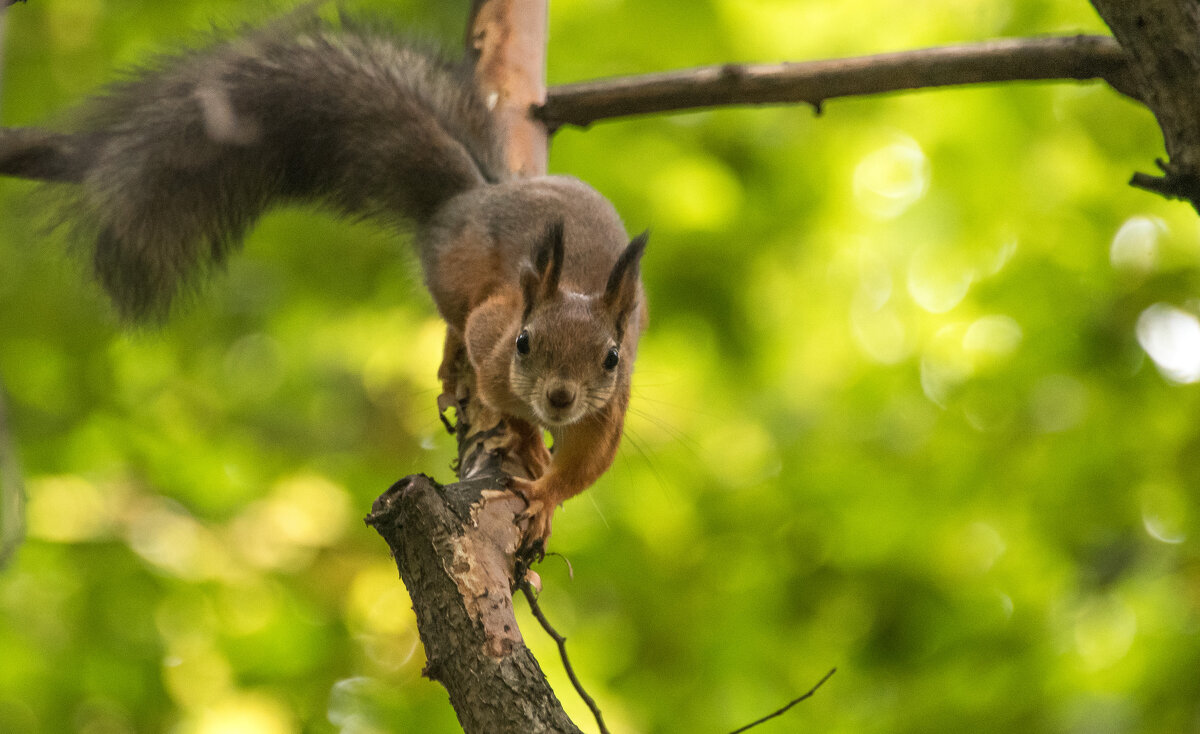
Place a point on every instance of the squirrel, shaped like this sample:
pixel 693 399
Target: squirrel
pixel 536 278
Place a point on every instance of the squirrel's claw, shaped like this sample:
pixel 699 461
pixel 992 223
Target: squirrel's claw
pixel 538 513
pixel 524 444
pixel 445 402
pixel 539 510
pixel 498 494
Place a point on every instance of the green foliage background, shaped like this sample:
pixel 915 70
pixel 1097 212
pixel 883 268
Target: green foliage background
pixel 893 414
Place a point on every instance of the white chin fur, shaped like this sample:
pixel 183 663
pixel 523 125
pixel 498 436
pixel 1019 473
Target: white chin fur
pixel 554 418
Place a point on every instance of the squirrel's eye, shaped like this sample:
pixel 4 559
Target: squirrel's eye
pixel 611 359
pixel 523 342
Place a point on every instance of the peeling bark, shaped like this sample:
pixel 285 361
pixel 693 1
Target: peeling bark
pixel 456 574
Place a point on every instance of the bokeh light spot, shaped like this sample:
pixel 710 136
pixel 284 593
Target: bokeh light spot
pixel 1135 246
pixel 1104 632
pixel 991 338
pixel 1058 403
pixel 891 179
pixel 1164 512
pixel 1171 337
pixel 939 278
pixel 70 509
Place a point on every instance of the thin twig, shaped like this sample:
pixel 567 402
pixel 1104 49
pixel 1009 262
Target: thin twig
pixel 783 710
pixel 562 651
pixel 1002 60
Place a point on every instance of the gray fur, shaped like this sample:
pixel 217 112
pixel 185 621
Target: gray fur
pixel 184 155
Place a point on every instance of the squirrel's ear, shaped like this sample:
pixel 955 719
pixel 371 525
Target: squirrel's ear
pixel 530 287
pixel 549 258
pixel 620 294
pixel 540 282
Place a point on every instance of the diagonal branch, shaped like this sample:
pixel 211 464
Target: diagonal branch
pixel 1006 60
pixel 47 156
pixel 788 707
pixel 455 554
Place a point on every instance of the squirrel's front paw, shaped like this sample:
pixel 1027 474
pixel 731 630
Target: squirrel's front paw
pixel 539 510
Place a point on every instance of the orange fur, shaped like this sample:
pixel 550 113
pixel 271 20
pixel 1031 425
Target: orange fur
pixel 547 258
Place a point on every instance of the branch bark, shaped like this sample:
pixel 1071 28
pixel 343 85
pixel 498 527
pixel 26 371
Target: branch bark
pixel 1162 41
pixel 507 41
pixel 456 557
pixel 1006 60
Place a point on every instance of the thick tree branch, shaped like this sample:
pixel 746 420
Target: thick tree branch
pixel 1162 40
pixel 1018 59
pixel 457 556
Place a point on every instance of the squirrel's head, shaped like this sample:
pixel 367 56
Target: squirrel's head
pixel 567 358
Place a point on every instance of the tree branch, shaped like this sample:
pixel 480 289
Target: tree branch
pixel 507 41
pixel 456 554
pixel 1018 59
pixel 790 704
pixel 36 154
pixel 1162 41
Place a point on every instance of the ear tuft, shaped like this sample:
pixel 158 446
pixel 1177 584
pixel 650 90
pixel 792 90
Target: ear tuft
pixel 620 294
pixel 530 284
pixel 540 282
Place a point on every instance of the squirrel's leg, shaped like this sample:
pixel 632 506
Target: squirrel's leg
pixel 488 334
pixel 582 452
pixel 525 444
pixel 448 374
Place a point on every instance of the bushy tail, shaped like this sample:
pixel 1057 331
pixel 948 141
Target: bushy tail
pixel 181 158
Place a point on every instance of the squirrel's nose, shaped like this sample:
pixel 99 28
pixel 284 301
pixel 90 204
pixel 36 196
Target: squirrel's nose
pixel 561 396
